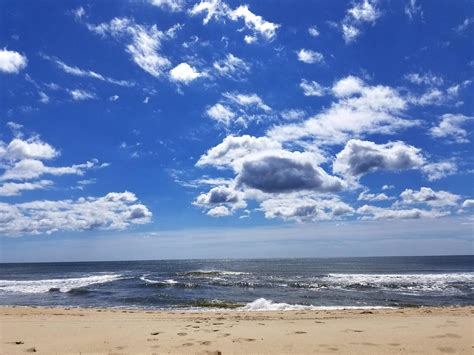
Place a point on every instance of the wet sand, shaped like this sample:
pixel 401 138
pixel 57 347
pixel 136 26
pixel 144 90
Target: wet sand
pixel 113 331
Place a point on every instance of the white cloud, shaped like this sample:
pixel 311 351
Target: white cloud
pixel 11 62
pixel 348 86
pixel 231 67
pixel 428 79
pixel 469 203
pixel 439 170
pixel 247 100
pixel 362 12
pixel 27 169
pixel 233 149
pixel 184 73
pixel 114 211
pixel 254 22
pixel 114 98
pixel 238 109
pixel 312 88
pixel 221 114
pixel 293 114
pixel 449 127
pixel 73 70
pixel 464 25
pixel 217 9
pixel 33 148
pixel 313 31
pixel 310 57
pixel 377 213
pixel 81 95
pixel 305 208
pixel 44 99
pixel 79 13
pixel 366 196
pixel 360 110
pixel 219 211
pixel 14 189
pixel 171 5
pixel 430 197
pixel 413 10
pixel 361 157
pixel 142 43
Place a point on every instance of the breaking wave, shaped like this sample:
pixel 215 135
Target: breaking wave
pixel 72 285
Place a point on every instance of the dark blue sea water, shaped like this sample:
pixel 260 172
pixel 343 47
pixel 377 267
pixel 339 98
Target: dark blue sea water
pixel 247 284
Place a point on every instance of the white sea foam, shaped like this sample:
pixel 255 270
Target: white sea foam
pixel 418 282
pixel 63 285
pixel 263 304
pixel 149 281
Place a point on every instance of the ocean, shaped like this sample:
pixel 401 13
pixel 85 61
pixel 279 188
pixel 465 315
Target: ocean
pixel 260 284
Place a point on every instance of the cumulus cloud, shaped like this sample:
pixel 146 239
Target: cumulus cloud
pixel 469 203
pixel 171 5
pixel 312 88
pixel 360 110
pixel 366 196
pixel 449 127
pixel 14 189
pixel 361 157
pixel 305 208
pixel 362 12
pixel 184 73
pixel 114 211
pixel 143 43
pixel 238 109
pixel 27 169
pixel 73 70
pixel 377 213
pixel 12 62
pixel 310 57
pixel 233 149
pixel 282 174
pixel 217 9
pixel 32 148
pixel 81 95
pixel 430 197
pixel 219 211
pixel 221 201
pixel 439 170
pixel 231 67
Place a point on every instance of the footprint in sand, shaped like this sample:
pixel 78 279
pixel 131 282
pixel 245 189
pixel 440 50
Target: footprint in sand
pixel 447 350
pixel 206 342
pixel 447 335
pixel 31 350
pixel 182 334
pixel 188 344
pixel 240 340
pixel 353 330
pixel 300 332
pixel 155 333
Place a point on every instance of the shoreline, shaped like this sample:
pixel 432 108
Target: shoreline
pixel 124 331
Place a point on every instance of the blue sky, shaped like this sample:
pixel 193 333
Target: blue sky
pixel 172 128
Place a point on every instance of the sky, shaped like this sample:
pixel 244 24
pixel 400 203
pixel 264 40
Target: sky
pixel 156 129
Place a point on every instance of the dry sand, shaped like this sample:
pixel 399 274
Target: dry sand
pixel 112 331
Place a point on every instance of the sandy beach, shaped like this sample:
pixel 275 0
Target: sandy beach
pixel 114 331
